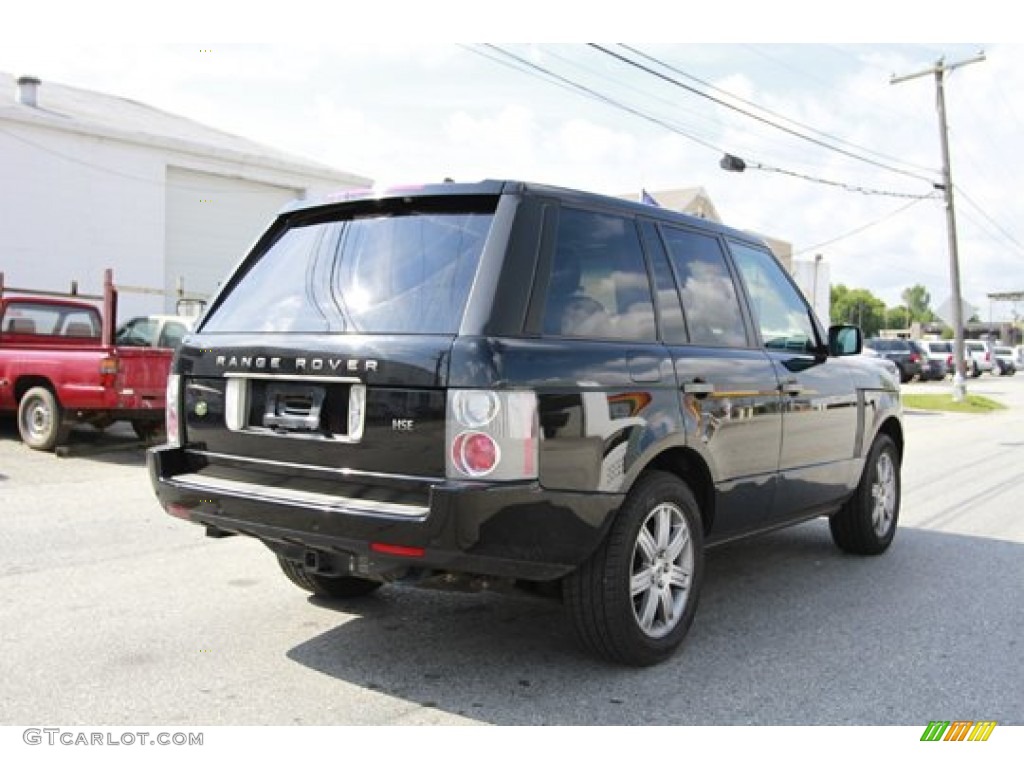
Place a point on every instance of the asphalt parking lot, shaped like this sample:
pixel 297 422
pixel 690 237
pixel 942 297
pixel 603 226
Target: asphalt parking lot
pixel 112 612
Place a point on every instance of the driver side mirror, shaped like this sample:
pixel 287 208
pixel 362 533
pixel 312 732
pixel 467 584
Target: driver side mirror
pixel 844 340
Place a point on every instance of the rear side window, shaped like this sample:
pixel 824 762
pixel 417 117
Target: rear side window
pixel 710 302
pixel 598 286
pixel 408 272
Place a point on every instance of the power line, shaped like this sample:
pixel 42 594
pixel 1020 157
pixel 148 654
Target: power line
pixel 988 218
pixel 840 184
pixel 859 229
pixel 767 111
pixel 759 118
pixel 553 78
pixel 590 92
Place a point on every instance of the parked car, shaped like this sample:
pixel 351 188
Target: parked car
pixel 497 384
pixel 59 365
pixel 902 352
pixel 934 367
pixel 982 356
pixel 1005 361
pixel 154 331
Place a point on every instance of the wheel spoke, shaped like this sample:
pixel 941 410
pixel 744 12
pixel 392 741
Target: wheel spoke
pixel 647 545
pixel 679 541
pixel 679 577
pixel 663 527
pixel 640 582
pixel 668 612
pixel 647 612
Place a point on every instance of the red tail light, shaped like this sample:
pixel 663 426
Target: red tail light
pixel 491 434
pixel 914 357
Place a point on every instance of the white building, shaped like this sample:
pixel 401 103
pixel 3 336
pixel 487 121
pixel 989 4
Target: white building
pixel 90 181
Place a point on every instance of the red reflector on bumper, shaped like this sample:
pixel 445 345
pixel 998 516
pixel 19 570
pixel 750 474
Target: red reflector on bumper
pixel 395 549
pixel 179 510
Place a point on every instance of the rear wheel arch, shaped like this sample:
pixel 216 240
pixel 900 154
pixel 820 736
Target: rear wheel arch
pixel 24 383
pixel 690 467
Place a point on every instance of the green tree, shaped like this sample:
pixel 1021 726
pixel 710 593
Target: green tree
pixel 917 298
pixel 857 306
pixel 898 317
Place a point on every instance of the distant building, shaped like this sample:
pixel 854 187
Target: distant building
pixel 92 181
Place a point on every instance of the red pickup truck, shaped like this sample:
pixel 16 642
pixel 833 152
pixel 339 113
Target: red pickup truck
pixel 58 366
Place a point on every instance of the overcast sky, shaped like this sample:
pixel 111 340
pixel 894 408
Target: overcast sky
pixel 411 110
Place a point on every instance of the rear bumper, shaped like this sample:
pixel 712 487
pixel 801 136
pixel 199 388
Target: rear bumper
pixel 520 531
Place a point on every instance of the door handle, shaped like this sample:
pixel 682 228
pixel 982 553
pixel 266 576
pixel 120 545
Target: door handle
pixel 698 388
pixel 791 387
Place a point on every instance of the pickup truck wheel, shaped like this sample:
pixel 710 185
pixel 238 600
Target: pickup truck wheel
pixel 147 431
pixel 41 420
pixel 866 523
pixel 327 586
pixel 633 601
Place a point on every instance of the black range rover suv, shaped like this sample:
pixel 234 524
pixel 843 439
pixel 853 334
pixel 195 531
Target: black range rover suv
pixel 508 383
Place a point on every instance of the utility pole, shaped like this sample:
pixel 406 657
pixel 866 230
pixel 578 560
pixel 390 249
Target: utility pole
pixel 940 69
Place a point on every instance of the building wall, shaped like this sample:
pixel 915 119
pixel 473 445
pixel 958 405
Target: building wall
pixel 814 279
pixel 75 204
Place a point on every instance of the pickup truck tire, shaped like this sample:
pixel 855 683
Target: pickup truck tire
pixel 41 420
pixel 147 431
pixel 334 587
pixel 634 600
pixel 866 523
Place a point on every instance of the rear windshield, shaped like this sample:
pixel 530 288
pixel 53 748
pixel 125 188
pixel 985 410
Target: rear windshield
pixel 40 319
pixel 407 271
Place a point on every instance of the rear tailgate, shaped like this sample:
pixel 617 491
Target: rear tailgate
pixel 362 419
pixel 318 375
pixel 141 379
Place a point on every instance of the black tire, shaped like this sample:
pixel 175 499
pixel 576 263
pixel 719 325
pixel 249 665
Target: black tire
pixel 148 431
pixel 867 522
pixel 333 587
pixel 41 420
pixel 605 599
pixel 975 371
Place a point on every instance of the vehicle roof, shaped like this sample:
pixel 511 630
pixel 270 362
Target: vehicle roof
pixel 71 303
pixel 499 187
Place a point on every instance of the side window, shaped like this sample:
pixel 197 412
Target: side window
pixel 598 287
pixel 673 331
pixel 171 335
pixel 138 332
pixel 710 303
pixel 779 310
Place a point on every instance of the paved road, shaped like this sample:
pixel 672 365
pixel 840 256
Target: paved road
pixel 111 612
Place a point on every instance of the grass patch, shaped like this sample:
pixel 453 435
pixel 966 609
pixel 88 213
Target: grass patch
pixel 944 402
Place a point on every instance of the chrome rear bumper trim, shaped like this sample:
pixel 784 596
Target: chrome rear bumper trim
pixel 296 498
